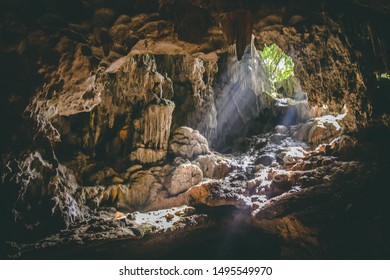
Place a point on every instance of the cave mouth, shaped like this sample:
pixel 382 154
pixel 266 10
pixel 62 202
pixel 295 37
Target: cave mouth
pixel 255 94
pixel 279 65
pixel 143 136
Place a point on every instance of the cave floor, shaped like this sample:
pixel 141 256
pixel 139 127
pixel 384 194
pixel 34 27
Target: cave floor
pixel 321 207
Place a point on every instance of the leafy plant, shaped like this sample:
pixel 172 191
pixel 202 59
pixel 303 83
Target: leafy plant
pixel 278 64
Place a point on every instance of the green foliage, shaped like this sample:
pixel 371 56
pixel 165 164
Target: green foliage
pixel 385 76
pixel 278 65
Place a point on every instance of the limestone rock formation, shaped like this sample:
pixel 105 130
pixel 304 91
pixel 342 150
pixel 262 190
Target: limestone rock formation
pixel 214 166
pixel 152 132
pixel 42 186
pixel 319 130
pixel 193 79
pixel 188 143
pixel 184 177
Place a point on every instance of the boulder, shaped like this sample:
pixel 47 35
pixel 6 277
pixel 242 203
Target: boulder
pixel 319 130
pixel 214 166
pixel 292 155
pixel 280 183
pixel 300 132
pixel 188 143
pixel 344 146
pixel 277 138
pixel 265 160
pixel 281 129
pixel 325 128
pixel 184 177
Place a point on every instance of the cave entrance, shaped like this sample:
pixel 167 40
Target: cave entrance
pixel 280 71
pixel 256 94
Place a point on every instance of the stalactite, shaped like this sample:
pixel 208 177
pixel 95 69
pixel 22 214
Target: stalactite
pixel 237 26
pixel 156 126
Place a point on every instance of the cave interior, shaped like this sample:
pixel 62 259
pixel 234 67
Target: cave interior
pixel 195 129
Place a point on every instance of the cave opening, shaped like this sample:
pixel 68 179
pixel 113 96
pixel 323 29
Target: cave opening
pixel 260 132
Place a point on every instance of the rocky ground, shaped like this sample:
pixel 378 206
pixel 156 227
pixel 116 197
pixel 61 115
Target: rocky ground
pixel 298 201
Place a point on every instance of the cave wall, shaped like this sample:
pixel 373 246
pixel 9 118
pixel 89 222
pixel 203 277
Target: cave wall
pixel 110 82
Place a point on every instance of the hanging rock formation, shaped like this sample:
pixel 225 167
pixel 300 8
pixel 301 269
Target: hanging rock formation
pixel 154 131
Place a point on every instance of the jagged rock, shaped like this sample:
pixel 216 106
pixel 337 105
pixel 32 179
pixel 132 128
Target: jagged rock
pixel 130 196
pixel 143 187
pixel 212 193
pixel 214 166
pixel 108 225
pixel 319 130
pixel 193 79
pixel 321 170
pixel 76 92
pixel 324 129
pixel 337 66
pixel 239 100
pixel 344 146
pixel 43 186
pixel 188 143
pixel 184 177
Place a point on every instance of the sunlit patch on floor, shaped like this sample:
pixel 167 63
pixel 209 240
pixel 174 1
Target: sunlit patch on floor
pixel 161 220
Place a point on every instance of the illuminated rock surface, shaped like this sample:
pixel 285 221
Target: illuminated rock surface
pixel 138 130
